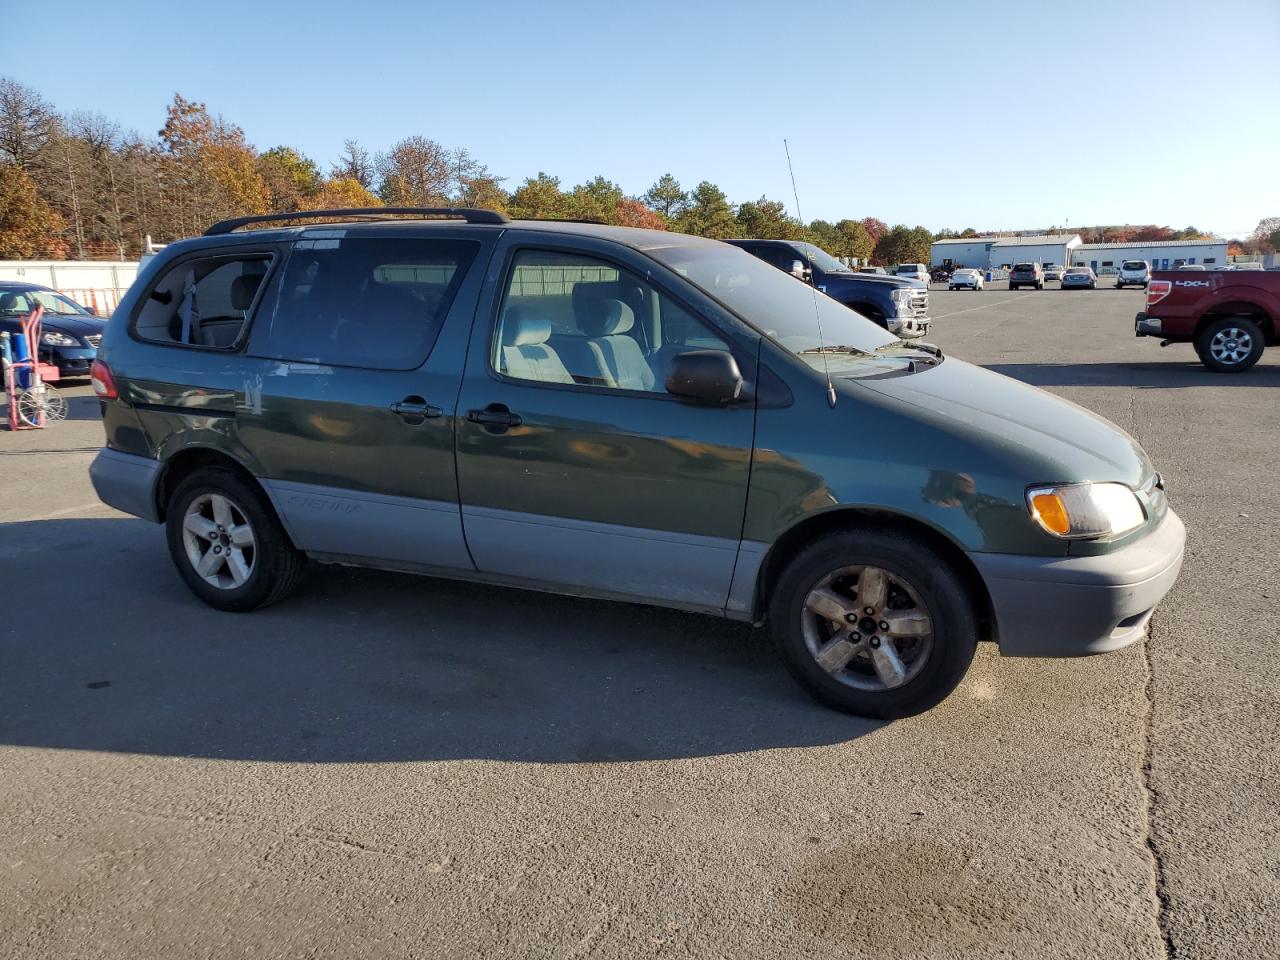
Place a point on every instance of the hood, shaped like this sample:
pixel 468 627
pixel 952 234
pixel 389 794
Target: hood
pixel 78 326
pixel 1022 422
pixel 863 280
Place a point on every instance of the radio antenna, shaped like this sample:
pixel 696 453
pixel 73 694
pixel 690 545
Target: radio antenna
pixel 817 316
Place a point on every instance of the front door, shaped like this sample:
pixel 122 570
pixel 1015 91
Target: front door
pixel 576 468
pixel 352 417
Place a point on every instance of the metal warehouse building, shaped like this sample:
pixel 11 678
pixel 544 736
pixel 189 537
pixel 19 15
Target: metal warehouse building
pixel 1162 255
pixel 983 252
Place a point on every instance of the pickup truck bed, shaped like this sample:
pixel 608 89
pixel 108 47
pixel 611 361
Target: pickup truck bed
pixel 1230 316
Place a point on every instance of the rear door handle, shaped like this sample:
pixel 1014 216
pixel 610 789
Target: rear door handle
pixel 415 410
pixel 496 417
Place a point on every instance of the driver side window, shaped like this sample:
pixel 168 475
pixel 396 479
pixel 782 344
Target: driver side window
pixel 570 319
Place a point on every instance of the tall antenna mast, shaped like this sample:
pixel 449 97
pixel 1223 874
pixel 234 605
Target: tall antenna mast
pixel 817 315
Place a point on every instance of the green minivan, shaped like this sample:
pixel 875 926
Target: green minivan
pixel 608 412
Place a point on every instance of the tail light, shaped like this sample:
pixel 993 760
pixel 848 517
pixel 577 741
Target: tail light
pixel 104 385
pixel 1157 290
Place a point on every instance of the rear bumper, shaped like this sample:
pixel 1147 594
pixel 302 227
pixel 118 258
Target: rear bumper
pixel 126 482
pixel 1144 326
pixel 1075 606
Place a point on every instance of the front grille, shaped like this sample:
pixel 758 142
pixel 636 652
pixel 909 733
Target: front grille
pixel 93 339
pixel 920 304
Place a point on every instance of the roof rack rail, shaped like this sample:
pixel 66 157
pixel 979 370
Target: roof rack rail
pixel 469 214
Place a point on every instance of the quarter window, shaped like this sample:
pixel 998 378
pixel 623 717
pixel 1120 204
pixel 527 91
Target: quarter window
pixel 576 320
pixel 204 302
pixel 365 302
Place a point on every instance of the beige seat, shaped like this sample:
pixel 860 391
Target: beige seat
pixel 525 351
pixel 607 322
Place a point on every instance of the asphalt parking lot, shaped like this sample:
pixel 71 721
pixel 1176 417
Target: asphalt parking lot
pixel 392 766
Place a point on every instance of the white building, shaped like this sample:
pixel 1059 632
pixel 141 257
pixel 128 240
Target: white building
pixel 984 252
pixel 1161 254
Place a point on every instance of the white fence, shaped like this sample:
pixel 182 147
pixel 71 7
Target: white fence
pixel 92 283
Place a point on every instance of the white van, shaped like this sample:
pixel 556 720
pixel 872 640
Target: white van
pixel 913 271
pixel 1133 273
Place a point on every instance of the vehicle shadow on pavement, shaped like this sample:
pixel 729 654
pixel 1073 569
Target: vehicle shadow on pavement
pixel 105 649
pixel 1127 375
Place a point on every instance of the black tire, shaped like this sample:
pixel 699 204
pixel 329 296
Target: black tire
pixel 903 556
pixel 1040 286
pixel 1013 286
pixel 276 563
pixel 1247 327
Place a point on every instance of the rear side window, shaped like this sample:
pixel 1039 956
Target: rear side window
pixel 205 302
pixel 366 301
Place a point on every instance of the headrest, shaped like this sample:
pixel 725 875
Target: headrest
pixel 603 317
pixel 523 327
pixel 599 312
pixel 243 288
pixel 8 300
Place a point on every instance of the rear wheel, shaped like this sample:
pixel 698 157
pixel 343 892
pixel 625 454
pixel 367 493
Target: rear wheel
pixel 227 544
pixel 1230 344
pixel 874 623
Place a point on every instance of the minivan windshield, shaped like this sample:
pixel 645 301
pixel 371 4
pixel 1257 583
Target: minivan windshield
pixel 774 302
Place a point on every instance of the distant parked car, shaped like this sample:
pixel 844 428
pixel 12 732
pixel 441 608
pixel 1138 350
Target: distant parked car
pixel 71 333
pixel 1194 266
pixel 1053 271
pixel 1079 277
pixel 913 271
pixel 1133 273
pixel 968 279
pixel 1026 275
pixel 881 271
pixel 1251 265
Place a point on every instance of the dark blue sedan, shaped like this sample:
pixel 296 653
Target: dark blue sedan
pixel 70 333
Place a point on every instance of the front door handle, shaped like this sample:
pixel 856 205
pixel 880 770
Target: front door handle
pixel 495 418
pixel 415 410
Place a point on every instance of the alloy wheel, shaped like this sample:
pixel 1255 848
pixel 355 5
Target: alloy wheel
pixel 219 541
pixel 867 628
pixel 1231 345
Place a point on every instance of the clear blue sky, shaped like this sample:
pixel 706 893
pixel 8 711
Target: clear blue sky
pixel 1001 116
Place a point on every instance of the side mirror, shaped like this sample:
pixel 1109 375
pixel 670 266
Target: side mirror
pixel 708 376
pixel 93 311
pixel 800 271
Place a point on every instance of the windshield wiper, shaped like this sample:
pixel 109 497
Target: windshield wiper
pixel 841 348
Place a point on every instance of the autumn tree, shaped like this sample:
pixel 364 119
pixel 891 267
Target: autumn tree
pixel 539 198
pixel 766 219
pixel 29 227
pixel 855 240
pixel 707 213
pixel 484 193
pixel 26 123
pixel 666 197
pixel 340 193
pixel 354 164
pixel 289 176
pixel 875 229
pixel 418 172
pixel 214 174
pixel 635 213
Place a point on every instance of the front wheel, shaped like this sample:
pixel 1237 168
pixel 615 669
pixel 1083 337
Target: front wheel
pixel 874 623
pixel 1230 344
pixel 227 544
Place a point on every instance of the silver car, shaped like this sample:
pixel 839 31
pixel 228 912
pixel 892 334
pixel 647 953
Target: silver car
pixel 1077 277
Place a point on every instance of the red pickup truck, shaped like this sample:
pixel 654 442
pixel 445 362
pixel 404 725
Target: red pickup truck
pixel 1229 315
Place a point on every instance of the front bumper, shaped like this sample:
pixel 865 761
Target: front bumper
pixel 1144 326
pixel 908 328
pixel 127 482
pixel 70 361
pixel 1075 606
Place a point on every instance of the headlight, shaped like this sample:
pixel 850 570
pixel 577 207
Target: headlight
pixel 1085 511
pixel 55 339
pixel 902 300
